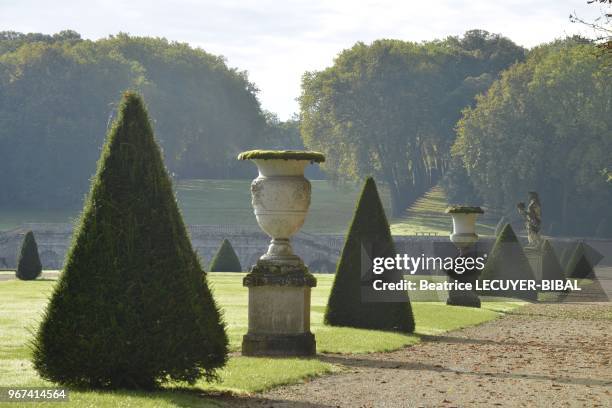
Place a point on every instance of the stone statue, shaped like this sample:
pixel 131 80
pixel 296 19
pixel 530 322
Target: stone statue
pixel 532 215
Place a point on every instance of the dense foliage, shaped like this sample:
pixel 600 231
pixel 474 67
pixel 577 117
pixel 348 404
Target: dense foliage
pixel 347 305
pixel 507 261
pixel 57 98
pixel 132 307
pixel 390 108
pixel 28 263
pixel 545 126
pixel 225 260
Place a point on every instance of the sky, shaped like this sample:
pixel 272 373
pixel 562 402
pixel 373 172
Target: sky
pixel 277 41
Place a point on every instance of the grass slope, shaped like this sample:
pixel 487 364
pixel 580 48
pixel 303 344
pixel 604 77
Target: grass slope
pixel 427 215
pixel 229 202
pixel 21 304
pixel 212 202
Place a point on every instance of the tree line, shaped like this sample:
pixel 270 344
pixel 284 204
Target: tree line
pixel 484 117
pixel 389 109
pixel 478 114
pixel 57 98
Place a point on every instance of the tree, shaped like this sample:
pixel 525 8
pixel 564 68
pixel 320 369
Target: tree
pixel 132 307
pixel 57 98
pixel 544 126
pixel 225 260
pixel 507 261
pixel 389 108
pixel 205 112
pixel 28 263
pixel 602 25
pixel 369 235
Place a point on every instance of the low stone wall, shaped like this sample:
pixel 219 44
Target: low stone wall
pixel 319 251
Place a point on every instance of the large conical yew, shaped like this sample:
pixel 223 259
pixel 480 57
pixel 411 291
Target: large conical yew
pixel 132 307
pixel 352 301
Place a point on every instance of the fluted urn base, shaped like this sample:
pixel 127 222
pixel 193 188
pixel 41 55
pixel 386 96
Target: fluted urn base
pixel 279 310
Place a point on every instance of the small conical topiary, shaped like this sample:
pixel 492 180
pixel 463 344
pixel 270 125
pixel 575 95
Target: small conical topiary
pixel 507 261
pixel 225 260
pixel 28 263
pixel 350 302
pixel 580 264
pixel 132 308
pixel 551 267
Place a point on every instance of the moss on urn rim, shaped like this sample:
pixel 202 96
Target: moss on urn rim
pixel 314 157
pixel 461 209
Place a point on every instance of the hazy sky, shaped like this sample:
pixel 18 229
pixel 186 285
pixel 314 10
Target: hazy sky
pixel 276 41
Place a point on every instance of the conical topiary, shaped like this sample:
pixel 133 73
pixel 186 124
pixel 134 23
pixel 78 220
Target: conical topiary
pixel 507 261
pixel 551 267
pixel 580 264
pixel 225 260
pixel 581 267
pixel 132 308
pixel 368 237
pixel 28 263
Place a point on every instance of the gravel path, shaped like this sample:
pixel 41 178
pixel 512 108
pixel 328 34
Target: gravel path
pixel 543 355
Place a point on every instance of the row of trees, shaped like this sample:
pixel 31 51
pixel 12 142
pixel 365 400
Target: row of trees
pixel 479 114
pixel 389 108
pixel 546 125
pixel 57 98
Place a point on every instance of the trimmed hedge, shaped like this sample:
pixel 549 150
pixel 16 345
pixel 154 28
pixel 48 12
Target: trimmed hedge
pixel 225 260
pixel 507 261
pixel 28 263
pixel 369 232
pixel 579 265
pixel 132 308
pixel 551 267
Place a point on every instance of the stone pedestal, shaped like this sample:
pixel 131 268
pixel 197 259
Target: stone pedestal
pixel 535 257
pixel 279 311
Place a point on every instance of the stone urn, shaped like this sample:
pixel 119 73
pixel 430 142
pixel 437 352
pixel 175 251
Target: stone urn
pixel 464 237
pixel 464 226
pixel 279 284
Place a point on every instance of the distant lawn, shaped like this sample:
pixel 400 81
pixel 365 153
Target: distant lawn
pixel 22 302
pixel 427 216
pixel 215 202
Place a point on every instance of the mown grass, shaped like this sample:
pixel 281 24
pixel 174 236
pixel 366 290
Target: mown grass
pixel 223 202
pixel 228 202
pixel 427 216
pixel 21 304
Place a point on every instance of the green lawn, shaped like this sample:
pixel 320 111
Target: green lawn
pixel 21 304
pixel 216 202
pixel 427 216
pixel 213 202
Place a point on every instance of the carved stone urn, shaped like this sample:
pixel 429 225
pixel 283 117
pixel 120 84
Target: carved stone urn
pixel 464 237
pixel 279 284
pixel 464 225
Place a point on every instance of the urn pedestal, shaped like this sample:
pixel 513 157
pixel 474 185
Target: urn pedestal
pixel 464 237
pixel 535 256
pixel 279 283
